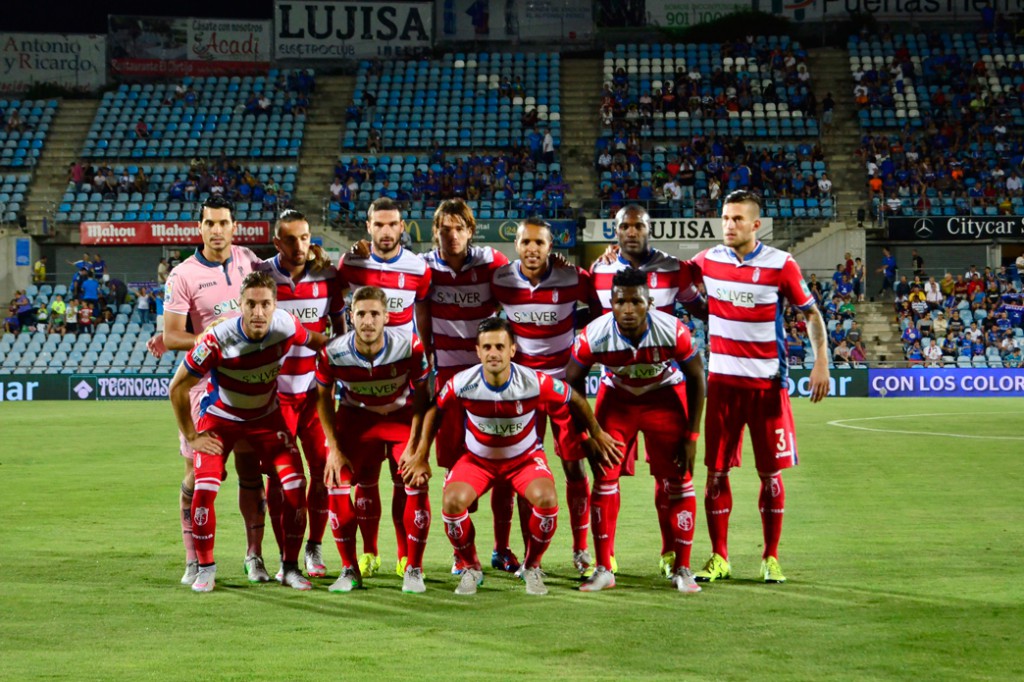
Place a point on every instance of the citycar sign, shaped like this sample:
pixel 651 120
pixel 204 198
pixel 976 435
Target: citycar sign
pixel 956 228
pixel 143 233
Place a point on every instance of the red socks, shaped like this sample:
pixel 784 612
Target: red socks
pixel 342 518
pixel 604 514
pixel 416 524
pixel 717 506
pixel 462 535
pixel 682 516
pixel 577 497
pixel 772 502
pixel 368 514
pixel 543 522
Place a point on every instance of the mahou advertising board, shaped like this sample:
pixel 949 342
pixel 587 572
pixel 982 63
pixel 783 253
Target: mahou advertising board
pixel 145 233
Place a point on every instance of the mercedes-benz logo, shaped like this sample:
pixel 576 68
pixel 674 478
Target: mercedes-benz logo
pixel 924 228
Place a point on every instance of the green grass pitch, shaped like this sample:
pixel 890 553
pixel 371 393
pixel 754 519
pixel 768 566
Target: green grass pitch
pixel 903 544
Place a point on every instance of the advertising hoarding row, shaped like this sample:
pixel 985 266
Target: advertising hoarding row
pixel 144 233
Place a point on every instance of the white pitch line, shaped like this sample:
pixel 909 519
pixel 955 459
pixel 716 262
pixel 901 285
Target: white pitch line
pixel 844 424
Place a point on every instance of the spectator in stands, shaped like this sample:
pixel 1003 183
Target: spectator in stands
pixel 940 325
pixel 39 271
pixel 15 124
pixel 915 354
pixel 55 321
pixel 1013 359
pixel 162 271
pixel 910 335
pixel 85 317
pixel 141 129
pixel 933 354
pixel 71 316
pixel 77 175
pixel 888 270
pixel 24 309
pixel 795 348
pixel 142 304
pixel 11 323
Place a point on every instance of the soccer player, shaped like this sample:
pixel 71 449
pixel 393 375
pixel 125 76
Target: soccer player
pixel 460 298
pixel 383 374
pixel 201 289
pixel 540 300
pixel 405 279
pixel 501 401
pixel 746 283
pixel 311 291
pixel 647 355
pixel 242 357
pixel 669 281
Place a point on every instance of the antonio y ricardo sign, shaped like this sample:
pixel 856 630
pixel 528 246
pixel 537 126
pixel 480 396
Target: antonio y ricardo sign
pixel 937 228
pixel 78 62
pixel 351 30
pixel 143 233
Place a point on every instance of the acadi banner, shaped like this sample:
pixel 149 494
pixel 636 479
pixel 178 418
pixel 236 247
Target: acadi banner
pixel 928 382
pixel 175 46
pixel 673 229
pixel 958 228
pixel 77 62
pixel 351 30
pixel 142 233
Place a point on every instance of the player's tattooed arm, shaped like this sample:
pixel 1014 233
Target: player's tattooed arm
pixel 818 336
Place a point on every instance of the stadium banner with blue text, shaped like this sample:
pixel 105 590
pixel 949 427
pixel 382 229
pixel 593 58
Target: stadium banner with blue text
pixel 936 228
pixel 188 46
pixel 32 387
pixel 673 230
pixel 945 383
pixel 683 14
pixel 842 383
pixel 563 231
pixel 515 20
pixel 76 62
pixel 908 10
pixel 338 31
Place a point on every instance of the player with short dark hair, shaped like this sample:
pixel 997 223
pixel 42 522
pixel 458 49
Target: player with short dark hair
pixel 383 375
pixel 653 383
pixel 746 282
pixel 501 401
pixel 242 356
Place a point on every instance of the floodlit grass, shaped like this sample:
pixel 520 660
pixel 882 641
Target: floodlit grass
pixel 903 550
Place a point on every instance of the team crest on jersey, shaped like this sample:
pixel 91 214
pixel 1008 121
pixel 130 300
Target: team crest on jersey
pixel 421 519
pixel 757 274
pixel 657 355
pixel 316 290
pixel 200 353
pixel 201 515
pixel 654 280
pixel 684 520
pixel 519 407
pixel 394 372
pixel 401 280
pixel 554 296
pixel 472 275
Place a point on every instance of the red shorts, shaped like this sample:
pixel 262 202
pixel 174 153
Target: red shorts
pixel 765 411
pixel 303 423
pixel 568 442
pixel 368 438
pixel 482 473
pixel 660 415
pixel 450 442
pixel 266 438
pixel 195 397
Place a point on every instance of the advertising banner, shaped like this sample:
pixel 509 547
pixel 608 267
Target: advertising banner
pixel 32 387
pixel 518 20
pixel 909 10
pixel 681 14
pixel 563 231
pixel 351 30
pixel 956 228
pixel 175 46
pixel 843 383
pixel 673 230
pixel 945 383
pixel 142 233
pixel 77 62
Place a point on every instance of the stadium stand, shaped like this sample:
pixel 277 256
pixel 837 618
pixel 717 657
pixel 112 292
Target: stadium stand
pixel 474 100
pixel 146 192
pixel 13 188
pixel 23 128
pixel 198 117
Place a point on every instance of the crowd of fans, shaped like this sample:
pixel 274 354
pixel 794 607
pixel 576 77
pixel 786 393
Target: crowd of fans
pixel 86 177
pixel 698 171
pixel 229 178
pixel 975 316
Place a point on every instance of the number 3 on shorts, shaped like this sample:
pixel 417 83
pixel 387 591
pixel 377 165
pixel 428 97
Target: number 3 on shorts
pixel 782 444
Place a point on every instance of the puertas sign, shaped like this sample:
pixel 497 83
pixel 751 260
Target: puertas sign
pixel 959 228
pixel 909 10
pixel 673 229
pixel 351 30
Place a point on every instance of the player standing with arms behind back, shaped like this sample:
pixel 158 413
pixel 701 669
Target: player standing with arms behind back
pixel 746 283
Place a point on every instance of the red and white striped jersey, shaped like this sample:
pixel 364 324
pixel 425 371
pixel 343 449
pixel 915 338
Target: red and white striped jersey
pixel 745 308
pixel 543 317
pixel 637 369
pixel 405 279
pixel 204 289
pixel 243 372
pixel 315 300
pixel 459 302
pixel 501 421
pixel 668 278
pixel 381 384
